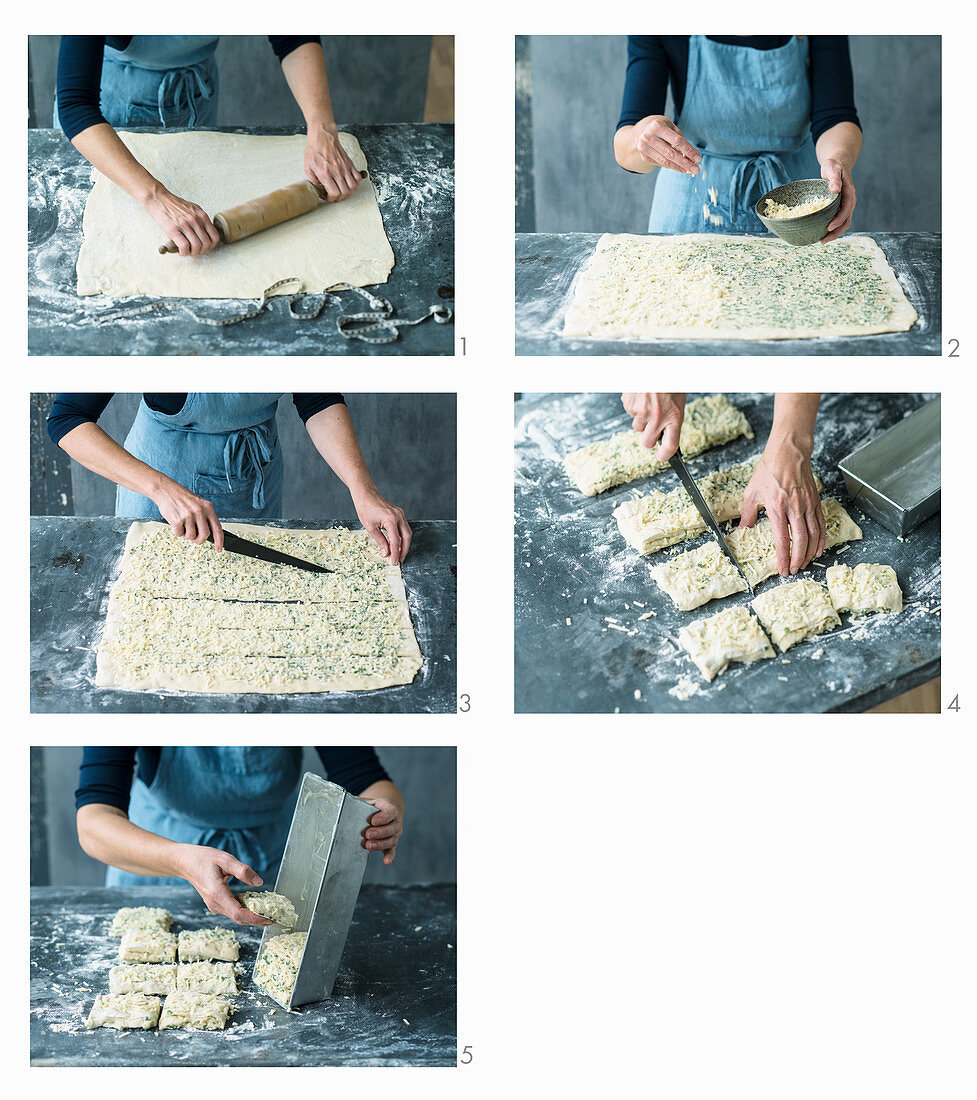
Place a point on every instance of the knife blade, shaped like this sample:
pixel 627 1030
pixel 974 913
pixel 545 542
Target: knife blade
pixel 677 463
pixel 249 549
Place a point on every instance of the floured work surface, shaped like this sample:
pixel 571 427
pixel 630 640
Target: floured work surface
pixel 185 618
pixel 717 286
pixel 341 242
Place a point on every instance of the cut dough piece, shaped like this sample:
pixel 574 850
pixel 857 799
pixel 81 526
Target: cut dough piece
pixel 709 422
pixel 730 635
pixel 143 978
pixel 711 286
pixel 338 242
pixel 266 903
pixel 794 611
pixel 199 1011
pixel 140 916
pixel 124 1010
pixel 278 966
pixel 206 977
pixel 865 588
pixel 208 943
pixel 705 573
pixel 147 945
pixel 185 618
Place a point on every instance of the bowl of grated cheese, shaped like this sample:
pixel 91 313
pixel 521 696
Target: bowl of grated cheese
pixel 798 212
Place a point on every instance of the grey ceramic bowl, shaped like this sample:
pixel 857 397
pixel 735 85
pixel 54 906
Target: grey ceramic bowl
pixel 809 228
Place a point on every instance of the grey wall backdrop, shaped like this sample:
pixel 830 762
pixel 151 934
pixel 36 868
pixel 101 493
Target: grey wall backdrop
pixel 372 78
pixel 408 440
pixel 425 776
pixel 575 84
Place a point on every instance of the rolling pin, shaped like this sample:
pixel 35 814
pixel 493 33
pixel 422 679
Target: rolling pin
pixel 258 214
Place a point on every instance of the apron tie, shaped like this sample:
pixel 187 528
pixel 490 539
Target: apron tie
pixel 246 454
pixel 180 89
pixel 753 177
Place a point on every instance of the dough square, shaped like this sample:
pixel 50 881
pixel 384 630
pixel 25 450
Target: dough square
pixel 123 1011
pixel 206 977
pixel 198 944
pixel 730 635
pixel 795 610
pixel 864 589
pixel 147 945
pixel 143 978
pixel 698 576
pixel 712 286
pixel 278 966
pixel 196 1011
pixel 709 422
pixel 266 903
pixel 140 916
pixel 341 242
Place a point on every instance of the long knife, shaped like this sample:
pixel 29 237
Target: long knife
pixel 677 463
pixel 237 545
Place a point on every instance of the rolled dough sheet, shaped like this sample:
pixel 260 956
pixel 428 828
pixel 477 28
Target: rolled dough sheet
pixel 185 618
pixel 712 286
pixel 709 422
pixel 864 589
pixel 794 611
pixel 342 242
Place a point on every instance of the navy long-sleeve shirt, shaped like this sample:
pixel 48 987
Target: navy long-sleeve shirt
pixel 654 60
pixel 106 773
pixel 71 409
pixel 80 73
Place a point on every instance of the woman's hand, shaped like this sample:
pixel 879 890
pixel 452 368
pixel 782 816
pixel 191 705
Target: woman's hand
pixel 384 830
pixel 657 140
pixel 182 222
pixel 386 523
pixel 839 182
pixel 784 484
pixel 189 516
pixel 657 415
pixel 328 163
pixel 208 870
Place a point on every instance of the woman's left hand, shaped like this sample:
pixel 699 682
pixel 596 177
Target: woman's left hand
pixel 328 163
pixel 386 523
pixel 839 181
pixel 384 830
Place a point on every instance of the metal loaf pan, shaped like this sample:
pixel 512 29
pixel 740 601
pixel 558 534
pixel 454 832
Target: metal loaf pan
pixel 895 478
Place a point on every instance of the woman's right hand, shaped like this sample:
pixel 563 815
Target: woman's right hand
pixel 208 870
pixel 182 222
pixel 189 516
pixel 657 140
pixel 656 416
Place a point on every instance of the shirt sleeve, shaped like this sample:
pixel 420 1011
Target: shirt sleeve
pixel 105 777
pixel 646 80
pixel 71 409
pixel 79 82
pixel 832 84
pixel 308 404
pixel 283 44
pixel 352 768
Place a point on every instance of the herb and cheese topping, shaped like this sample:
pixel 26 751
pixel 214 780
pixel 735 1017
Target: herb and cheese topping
pixel 709 422
pixel 719 286
pixel 206 977
pixel 147 945
pixel 195 1010
pixel 794 611
pixel 184 616
pixel 730 635
pixel 779 212
pixel 278 966
pixel 266 903
pixel 124 1010
pixel 198 944
pixel 865 588
pixel 140 916
pixel 143 978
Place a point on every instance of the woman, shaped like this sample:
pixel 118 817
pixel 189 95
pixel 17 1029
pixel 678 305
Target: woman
pixel 109 81
pixel 751 114
pixel 191 456
pixel 204 815
pixel 783 482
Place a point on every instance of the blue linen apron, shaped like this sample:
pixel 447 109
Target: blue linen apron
pixel 161 80
pixel 222 446
pixel 748 113
pixel 237 799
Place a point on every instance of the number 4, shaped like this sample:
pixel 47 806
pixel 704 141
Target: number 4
pixel 954 703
